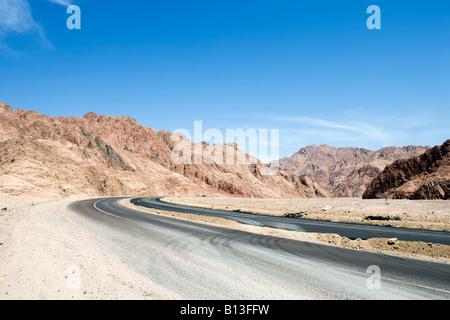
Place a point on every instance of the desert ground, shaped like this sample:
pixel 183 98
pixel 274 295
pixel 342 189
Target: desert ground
pixel 44 252
pixel 46 255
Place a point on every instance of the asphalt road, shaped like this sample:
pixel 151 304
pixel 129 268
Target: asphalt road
pixel 349 230
pixel 200 261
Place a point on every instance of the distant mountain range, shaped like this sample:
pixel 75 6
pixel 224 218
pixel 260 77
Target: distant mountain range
pixel 344 172
pixel 99 155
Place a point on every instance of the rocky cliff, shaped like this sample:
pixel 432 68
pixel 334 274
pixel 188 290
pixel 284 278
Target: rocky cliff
pixel 97 155
pixel 422 177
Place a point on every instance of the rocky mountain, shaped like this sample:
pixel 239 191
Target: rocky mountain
pixel 422 177
pixel 344 172
pixel 97 155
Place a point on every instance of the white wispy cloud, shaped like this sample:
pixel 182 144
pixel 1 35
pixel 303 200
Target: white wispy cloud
pixel 359 128
pixel 301 130
pixel 62 2
pixel 16 18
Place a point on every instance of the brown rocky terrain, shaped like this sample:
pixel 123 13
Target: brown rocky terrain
pixel 423 177
pixel 344 172
pixel 99 155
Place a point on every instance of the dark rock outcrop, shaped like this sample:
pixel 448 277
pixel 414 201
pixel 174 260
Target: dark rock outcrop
pixel 423 177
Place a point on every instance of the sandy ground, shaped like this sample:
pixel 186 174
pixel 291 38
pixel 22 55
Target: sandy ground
pixel 413 214
pixel 46 255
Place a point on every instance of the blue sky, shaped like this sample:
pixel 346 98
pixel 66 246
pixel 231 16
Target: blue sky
pixel 311 69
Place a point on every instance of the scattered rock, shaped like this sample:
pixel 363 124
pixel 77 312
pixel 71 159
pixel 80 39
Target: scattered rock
pixel 383 218
pixel 295 215
pixel 392 241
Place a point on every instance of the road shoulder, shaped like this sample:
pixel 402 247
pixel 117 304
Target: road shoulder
pixel 46 253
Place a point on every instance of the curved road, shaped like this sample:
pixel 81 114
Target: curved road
pixel 200 261
pixel 349 230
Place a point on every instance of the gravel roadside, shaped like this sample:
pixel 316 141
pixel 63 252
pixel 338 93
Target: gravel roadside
pixel 46 253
